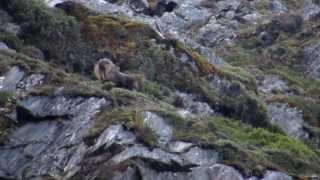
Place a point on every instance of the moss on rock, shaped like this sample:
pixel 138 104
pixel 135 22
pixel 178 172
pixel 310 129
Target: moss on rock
pixel 247 148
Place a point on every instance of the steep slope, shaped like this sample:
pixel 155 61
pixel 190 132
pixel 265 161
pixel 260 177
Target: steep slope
pixel 193 115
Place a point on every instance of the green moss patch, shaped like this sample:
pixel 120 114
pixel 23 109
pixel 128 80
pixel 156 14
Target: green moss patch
pixel 6 98
pixel 248 148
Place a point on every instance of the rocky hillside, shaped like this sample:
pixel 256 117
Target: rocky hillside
pixel 219 89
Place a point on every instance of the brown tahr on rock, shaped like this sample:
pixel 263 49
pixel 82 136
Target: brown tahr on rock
pixel 106 70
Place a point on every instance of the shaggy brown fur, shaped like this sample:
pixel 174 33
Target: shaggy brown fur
pixel 106 70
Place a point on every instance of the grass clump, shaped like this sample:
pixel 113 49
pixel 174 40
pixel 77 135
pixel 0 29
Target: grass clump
pixel 6 99
pixel 247 148
pixel 115 35
pixel 239 74
pixel 204 66
pixel 155 90
pixel 236 56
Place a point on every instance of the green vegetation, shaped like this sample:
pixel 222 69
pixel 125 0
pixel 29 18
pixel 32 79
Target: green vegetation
pixel 11 40
pixel 5 98
pixel 233 73
pixel 204 66
pixel 283 56
pixel 7 102
pixel 253 43
pixel 114 35
pixel 217 129
pixel 155 90
pixel 4 127
pixel 255 146
pixel 39 21
pixel 50 30
pixel 250 148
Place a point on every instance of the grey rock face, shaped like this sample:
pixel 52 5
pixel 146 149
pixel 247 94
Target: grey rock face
pixel 48 107
pixel 179 146
pixel 49 147
pixel 272 83
pixel 115 134
pixel 31 81
pixel 289 119
pixel 214 33
pixel 253 18
pixel 228 5
pixel 3 46
pixel 312 58
pixel 158 125
pixel 15 80
pixel 216 171
pixel 11 79
pixel 277 7
pixel 219 171
pixel 310 10
pixel 200 156
pixel 193 106
pixel 139 151
pixel 273 175
pixel 194 157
